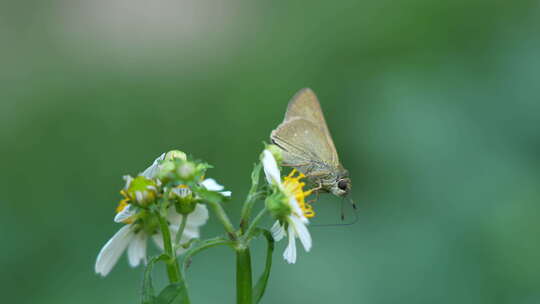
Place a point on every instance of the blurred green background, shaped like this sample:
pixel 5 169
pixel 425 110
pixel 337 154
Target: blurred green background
pixel 434 107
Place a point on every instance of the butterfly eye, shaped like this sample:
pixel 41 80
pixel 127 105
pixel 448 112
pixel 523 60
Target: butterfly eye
pixel 343 185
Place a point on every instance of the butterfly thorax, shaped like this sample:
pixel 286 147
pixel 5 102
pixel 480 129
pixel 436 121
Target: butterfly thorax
pixel 336 182
pixel 324 177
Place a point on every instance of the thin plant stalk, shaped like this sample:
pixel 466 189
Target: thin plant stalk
pixel 244 289
pixel 171 263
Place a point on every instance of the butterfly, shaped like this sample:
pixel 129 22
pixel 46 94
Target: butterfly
pixel 307 145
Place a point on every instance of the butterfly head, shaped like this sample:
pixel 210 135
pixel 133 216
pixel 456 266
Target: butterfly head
pixel 341 186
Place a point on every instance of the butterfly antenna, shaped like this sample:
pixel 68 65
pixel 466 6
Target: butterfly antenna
pixel 356 218
pixel 342 210
pixel 353 204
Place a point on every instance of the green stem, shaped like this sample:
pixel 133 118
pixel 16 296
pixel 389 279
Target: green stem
pixel 243 277
pixel 224 219
pixel 172 264
pixel 250 231
pixel 251 197
pixel 183 223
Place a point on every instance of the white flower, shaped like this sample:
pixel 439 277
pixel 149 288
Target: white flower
pixel 133 236
pixel 151 172
pixel 195 220
pixel 294 224
pixel 212 185
pixel 209 183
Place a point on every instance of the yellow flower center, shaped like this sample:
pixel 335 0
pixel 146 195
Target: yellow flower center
pixel 293 186
pixel 122 205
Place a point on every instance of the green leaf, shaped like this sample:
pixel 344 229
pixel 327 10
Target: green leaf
pixel 210 196
pixel 148 293
pixel 260 287
pixel 173 294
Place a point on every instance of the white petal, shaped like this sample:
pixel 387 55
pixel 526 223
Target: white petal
pixel 226 193
pixel 211 184
pixel 186 236
pixel 139 197
pixel 152 171
pixel 137 249
pixel 158 239
pixel 125 214
pixel 181 192
pixel 296 209
pixel 189 234
pixel 111 252
pixel 290 252
pixel 173 217
pixel 180 250
pixel 277 231
pixel 198 217
pixel 128 180
pixel 301 231
pixel 271 170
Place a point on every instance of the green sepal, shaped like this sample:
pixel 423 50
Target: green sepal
pixel 278 205
pixel 210 196
pixel 185 207
pixel 148 292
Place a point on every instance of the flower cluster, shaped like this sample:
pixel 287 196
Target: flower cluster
pixel 165 188
pixel 167 202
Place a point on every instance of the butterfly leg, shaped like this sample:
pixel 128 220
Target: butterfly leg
pixel 316 190
pixel 316 199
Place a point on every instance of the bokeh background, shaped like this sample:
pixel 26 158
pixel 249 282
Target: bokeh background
pixel 434 107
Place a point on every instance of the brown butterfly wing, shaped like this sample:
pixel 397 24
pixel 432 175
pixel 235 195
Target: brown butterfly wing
pixel 303 143
pixel 304 133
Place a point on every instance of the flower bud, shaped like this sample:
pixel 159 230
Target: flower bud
pixel 175 154
pixel 183 199
pixel 166 170
pixel 277 152
pixel 141 190
pixel 186 170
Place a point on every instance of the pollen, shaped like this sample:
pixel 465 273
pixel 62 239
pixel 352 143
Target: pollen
pixel 123 203
pixel 295 187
